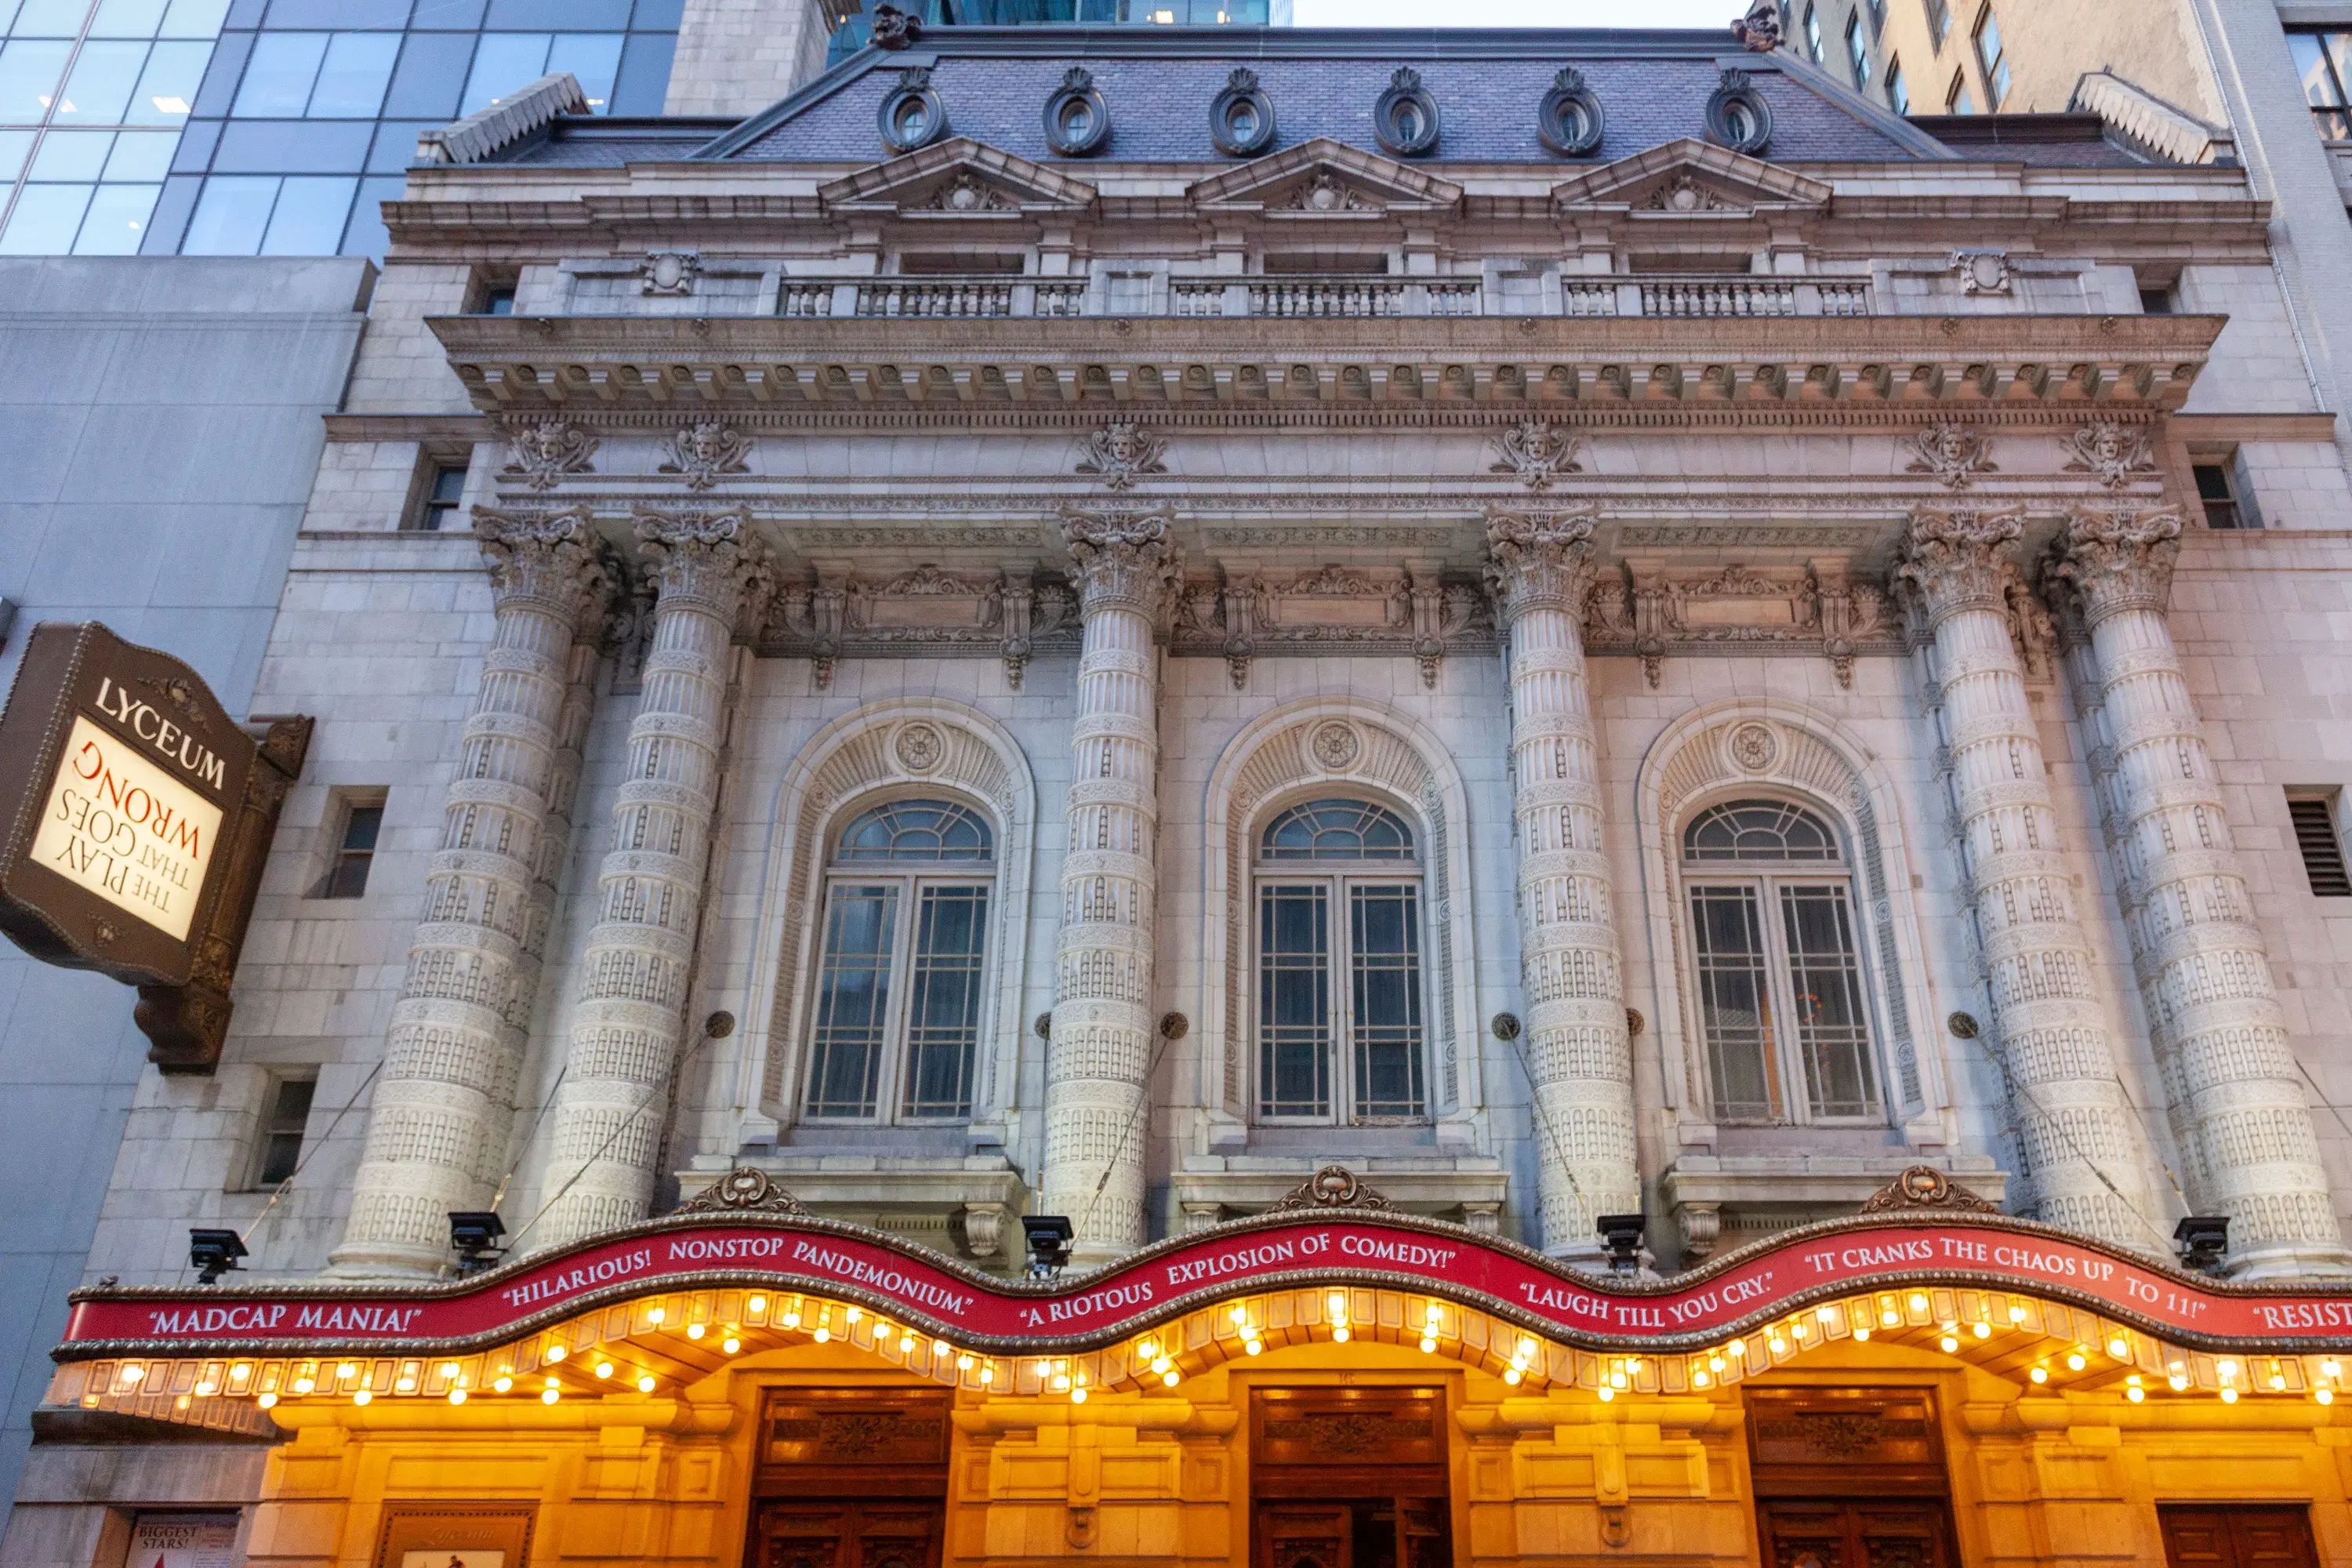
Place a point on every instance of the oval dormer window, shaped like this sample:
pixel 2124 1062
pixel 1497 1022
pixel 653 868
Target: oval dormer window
pixel 1241 118
pixel 912 115
pixel 1737 117
pixel 1404 118
pixel 1078 121
pixel 1569 121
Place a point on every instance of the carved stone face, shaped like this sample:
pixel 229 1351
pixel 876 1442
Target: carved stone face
pixel 1119 444
pixel 2108 445
pixel 1955 445
pixel 704 443
pixel 542 443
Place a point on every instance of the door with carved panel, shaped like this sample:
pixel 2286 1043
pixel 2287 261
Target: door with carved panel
pixel 1349 1477
pixel 2237 1538
pixel 850 1477
pixel 1849 1477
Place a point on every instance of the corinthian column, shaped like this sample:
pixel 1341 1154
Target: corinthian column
pixel 1098 1063
pixel 437 1130
pixel 1580 1063
pixel 2075 1130
pixel 711 576
pixel 2253 1154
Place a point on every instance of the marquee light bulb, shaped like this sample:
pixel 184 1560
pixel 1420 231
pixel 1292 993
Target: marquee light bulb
pixel 2324 1396
pixel 1918 1302
pixel 304 1384
pixel 1714 1364
pixel 604 1369
pixel 449 1369
pixel 656 1315
pixel 1737 1348
pixel 458 1397
pixel 362 1396
pixel 1255 1346
pixel 1149 1350
pixel 1240 1314
pixel 854 1313
pixel 1983 1330
pixel 1862 1334
pixel 1337 1304
pixel 1948 1344
pixel 2119 1347
pixel 758 1304
pixel 1826 1314
pixel 503 1384
pixel 1511 1376
pixel 267 1402
pixel 1171 1377
pixel 2328 1368
pixel 1607 1393
pixel 645 1383
pixel 2229 1396
pixel 730 1344
pixel 694 1331
pixel 2076 1361
pixel 2040 1374
pixel 2226 1367
pixel 987 1376
pixel 1077 1396
pixel 2137 1396
pixel 1339 1334
pixel 1160 1364
pixel 1778 1344
pixel 550 1395
pixel 823 1334
pixel 963 1362
pixel 1428 1345
pixel 556 1353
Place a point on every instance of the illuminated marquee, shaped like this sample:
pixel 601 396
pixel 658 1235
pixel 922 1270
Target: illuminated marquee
pixel 781 1252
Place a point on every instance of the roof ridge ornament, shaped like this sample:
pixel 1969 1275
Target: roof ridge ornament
pixel 1926 1187
pixel 1759 30
pixel 1330 1187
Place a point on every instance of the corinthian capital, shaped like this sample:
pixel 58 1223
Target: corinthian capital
pixel 1540 560
pixel 547 560
pixel 1954 560
pixel 710 559
pixel 2119 560
pixel 1126 559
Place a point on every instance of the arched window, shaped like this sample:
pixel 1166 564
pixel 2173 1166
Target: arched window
pixel 909 877
pixel 1341 1002
pixel 1779 969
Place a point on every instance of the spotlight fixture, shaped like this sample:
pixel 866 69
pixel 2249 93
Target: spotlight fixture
pixel 1048 1236
pixel 475 1235
pixel 1622 1233
pixel 213 1252
pixel 2202 1238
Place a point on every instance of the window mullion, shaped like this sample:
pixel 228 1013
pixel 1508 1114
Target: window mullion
pixel 891 1074
pixel 1788 1045
pixel 1345 1102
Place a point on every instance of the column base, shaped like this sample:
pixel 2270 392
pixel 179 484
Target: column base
pixel 2291 1260
pixel 388 1260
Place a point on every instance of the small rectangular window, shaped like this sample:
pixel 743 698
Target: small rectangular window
pixel 2223 491
pixel 440 487
pixel 1813 33
pixel 2158 300
pixel 285 1116
pixel 1959 100
pixel 2317 836
pixel 2324 60
pixel 347 878
pixel 1940 21
pixel 1991 61
pixel 1898 91
pixel 1857 50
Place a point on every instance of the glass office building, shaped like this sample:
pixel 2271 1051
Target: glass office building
pixel 272 127
pixel 279 127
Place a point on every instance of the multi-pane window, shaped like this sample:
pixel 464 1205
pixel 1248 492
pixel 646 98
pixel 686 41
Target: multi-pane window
pixel 1340 1004
pixel 284 1119
pixel 437 503
pixel 1778 966
pixel 1898 91
pixel 1857 50
pixel 92 97
pixel 1991 60
pixel 2224 493
pixel 1940 21
pixel 897 1027
pixel 2325 63
pixel 1814 32
pixel 354 854
pixel 1958 99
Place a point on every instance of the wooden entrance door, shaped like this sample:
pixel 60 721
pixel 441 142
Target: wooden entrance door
pixel 1349 1477
pixel 1849 1477
pixel 2237 1538
pixel 850 1477
pixel 1854 1534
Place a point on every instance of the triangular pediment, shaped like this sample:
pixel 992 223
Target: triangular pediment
pixel 1324 179
pixel 1688 176
pixel 957 178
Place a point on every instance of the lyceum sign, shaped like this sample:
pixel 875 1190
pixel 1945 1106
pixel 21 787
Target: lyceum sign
pixel 122 778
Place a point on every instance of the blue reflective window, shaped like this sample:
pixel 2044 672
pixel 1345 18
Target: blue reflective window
pixel 140 156
pixel 126 19
pixel 16 146
pixel 117 220
pixel 45 220
pixel 99 91
pixel 351 81
pixel 167 88
pixel 309 217
pixel 30 73
pixel 503 62
pixel 194 19
pixel 593 57
pixel 231 215
pixel 278 77
pixel 68 155
pixel 50 20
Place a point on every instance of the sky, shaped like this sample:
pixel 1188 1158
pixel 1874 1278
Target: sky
pixel 1716 14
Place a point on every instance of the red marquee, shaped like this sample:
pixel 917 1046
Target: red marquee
pixel 785 1252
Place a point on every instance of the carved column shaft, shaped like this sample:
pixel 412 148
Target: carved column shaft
pixel 444 1105
pixel 1098 1060
pixel 1578 1059
pixel 635 970
pixel 2253 1152
pixel 2075 1125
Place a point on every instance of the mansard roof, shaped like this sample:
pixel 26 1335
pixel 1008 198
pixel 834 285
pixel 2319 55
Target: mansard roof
pixel 1158 83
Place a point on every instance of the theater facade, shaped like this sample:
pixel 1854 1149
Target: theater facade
pixel 1614 770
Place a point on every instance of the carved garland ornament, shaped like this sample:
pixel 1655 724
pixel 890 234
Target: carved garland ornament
pixel 1926 1187
pixel 743 1191
pixel 1331 1187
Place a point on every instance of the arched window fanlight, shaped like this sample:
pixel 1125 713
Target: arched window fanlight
pixel 918 830
pixel 1759 830
pixel 1336 830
